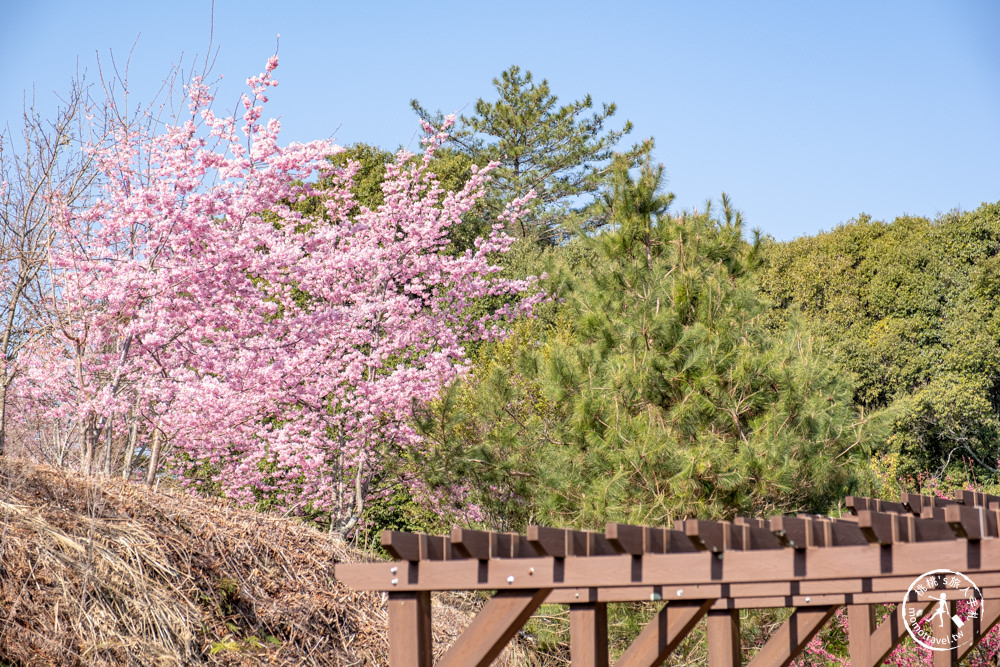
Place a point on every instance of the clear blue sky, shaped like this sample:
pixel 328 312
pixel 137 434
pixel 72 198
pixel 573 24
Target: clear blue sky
pixel 807 113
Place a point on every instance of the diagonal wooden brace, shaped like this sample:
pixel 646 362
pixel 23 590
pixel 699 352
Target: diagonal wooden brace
pixel 493 627
pixel 789 640
pixel 664 633
pixel 989 615
pixel 870 645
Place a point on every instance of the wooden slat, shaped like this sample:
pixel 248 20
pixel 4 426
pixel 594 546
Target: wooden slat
pixel 794 532
pixel 923 506
pixel 751 596
pixel 977 498
pixel 482 545
pixel 625 538
pixel 967 521
pixel 890 528
pixel 471 543
pixel 548 541
pixel 760 534
pixel 840 532
pixel 662 635
pixel 789 640
pixel 401 546
pixel 512 545
pixel 712 536
pixel 588 634
pixel 857 504
pixel 492 628
pixel 416 546
pixel 561 542
pixel 435 547
pixel 804 531
pixel 410 641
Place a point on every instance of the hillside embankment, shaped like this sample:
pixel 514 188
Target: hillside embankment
pixel 100 572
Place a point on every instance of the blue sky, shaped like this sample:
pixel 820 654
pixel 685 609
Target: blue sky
pixel 806 113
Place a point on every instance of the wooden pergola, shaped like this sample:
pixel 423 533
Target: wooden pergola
pixel 696 569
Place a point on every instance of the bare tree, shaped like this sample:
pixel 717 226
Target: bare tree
pixel 40 168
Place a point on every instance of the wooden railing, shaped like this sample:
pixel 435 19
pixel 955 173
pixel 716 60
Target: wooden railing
pixel 697 569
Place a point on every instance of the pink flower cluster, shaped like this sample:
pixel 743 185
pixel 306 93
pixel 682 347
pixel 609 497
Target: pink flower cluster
pixel 285 349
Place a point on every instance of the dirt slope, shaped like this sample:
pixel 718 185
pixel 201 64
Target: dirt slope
pixel 105 573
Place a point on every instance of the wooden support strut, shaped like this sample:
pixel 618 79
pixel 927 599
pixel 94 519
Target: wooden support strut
pixel 870 645
pixel 662 635
pixel 988 618
pixel 492 628
pixel 791 638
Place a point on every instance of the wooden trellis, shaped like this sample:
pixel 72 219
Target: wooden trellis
pixel 699 569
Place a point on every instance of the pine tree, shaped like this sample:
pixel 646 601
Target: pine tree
pixel 658 393
pixel 558 151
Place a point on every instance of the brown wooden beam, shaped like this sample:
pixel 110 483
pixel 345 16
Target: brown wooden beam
pixel 492 628
pixel 755 596
pixel 789 640
pixel 662 635
pixel 724 638
pixel 410 629
pixel 904 559
pixel 588 634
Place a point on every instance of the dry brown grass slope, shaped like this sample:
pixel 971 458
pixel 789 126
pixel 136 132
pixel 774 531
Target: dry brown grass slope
pixel 96 572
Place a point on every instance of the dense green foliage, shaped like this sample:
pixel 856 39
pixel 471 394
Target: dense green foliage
pixel 656 391
pixel 911 308
pixel 681 370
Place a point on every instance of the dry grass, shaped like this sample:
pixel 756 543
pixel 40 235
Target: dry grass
pixel 106 573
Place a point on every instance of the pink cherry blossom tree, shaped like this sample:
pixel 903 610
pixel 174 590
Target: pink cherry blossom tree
pixel 285 350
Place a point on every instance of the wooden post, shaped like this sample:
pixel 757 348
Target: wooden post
pixel 942 628
pixel 410 629
pixel 861 625
pixel 588 634
pixel 724 638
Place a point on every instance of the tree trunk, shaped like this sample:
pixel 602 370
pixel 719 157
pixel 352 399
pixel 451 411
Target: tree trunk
pixel 154 459
pixel 127 459
pixel 107 448
pixel 3 420
pixel 88 447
